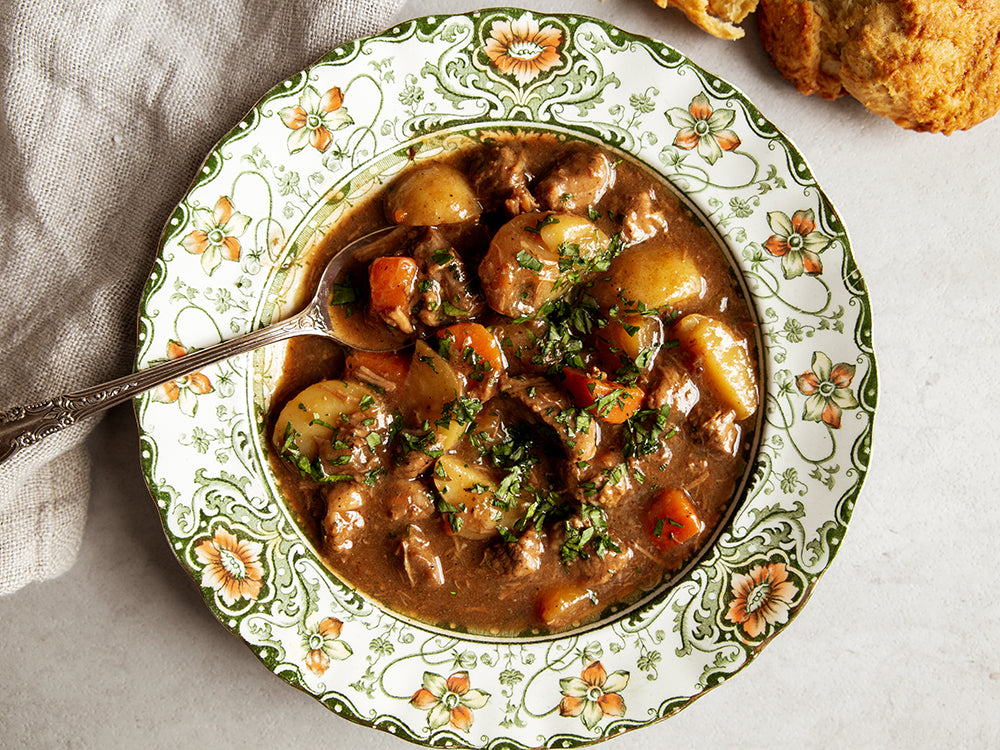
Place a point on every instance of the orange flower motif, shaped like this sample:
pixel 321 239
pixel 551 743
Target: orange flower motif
pixel 761 598
pixel 232 566
pixel 324 644
pixel 593 695
pixel 521 49
pixel 215 236
pixel 704 128
pixel 186 390
pixel 797 242
pixel 448 701
pixel 826 385
pixel 313 118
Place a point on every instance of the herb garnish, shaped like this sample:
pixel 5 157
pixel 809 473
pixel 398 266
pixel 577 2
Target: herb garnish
pixel 544 222
pixel 529 261
pixel 590 531
pixel 645 430
pixel 343 295
pixel 461 410
pixel 309 469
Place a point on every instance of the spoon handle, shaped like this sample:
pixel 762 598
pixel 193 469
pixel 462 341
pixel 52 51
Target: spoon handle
pixel 23 426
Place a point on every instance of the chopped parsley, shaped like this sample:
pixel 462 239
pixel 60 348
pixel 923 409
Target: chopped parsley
pixel 456 312
pixel 423 441
pixel 312 469
pixel 343 295
pixel 451 513
pixel 588 534
pixel 462 410
pixel 443 257
pixel 544 222
pixel 575 267
pixel 528 261
pixel 645 431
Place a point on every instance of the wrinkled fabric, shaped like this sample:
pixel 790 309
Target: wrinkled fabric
pixel 108 109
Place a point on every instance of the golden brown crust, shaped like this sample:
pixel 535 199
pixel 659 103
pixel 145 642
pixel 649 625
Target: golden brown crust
pixel 790 31
pixel 929 65
pixel 717 17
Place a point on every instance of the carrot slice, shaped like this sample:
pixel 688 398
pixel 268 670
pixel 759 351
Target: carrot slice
pixel 475 352
pixel 608 400
pixel 564 604
pixel 393 281
pixel 671 519
pixel 388 366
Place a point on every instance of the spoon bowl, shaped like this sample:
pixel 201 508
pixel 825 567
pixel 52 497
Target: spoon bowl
pixel 22 426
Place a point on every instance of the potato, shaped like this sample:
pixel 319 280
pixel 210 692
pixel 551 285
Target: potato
pixel 431 384
pixel 724 359
pixel 653 274
pixel 313 413
pixel 521 271
pixel 568 229
pixel 431 194
pixel 472 489
pixel 631 337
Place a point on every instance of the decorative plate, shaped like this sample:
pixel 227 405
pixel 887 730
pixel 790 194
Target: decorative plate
pixel 230 259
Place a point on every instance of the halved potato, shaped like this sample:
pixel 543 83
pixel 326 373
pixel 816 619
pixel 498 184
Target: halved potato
pixel 472 491
pixel 724 359
pixel 431 194
pixel 653 275
pixel 431 385
pixel 632 339
pixel 536 257
pixel 313 414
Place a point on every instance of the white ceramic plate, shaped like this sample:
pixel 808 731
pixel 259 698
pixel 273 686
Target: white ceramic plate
pixel 230 259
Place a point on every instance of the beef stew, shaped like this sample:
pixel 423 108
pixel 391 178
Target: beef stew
pixel 574 417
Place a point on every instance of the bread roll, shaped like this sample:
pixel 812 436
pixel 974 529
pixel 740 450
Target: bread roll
pixel 717 17
pixel 928 65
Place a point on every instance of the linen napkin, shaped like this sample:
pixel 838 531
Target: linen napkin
pixel 108 109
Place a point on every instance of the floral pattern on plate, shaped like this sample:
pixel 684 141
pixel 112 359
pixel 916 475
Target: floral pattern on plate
pixel 231 259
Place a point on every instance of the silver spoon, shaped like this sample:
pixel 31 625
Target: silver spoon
pixel 23 426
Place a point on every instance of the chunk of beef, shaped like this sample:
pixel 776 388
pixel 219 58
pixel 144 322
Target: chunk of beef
pixel 672 386
pixel 342 496
pixel 340 528
pixel 590 568
pixel 500 181
pixel 577 181
pixel 598 569
pixel 577 431
pixel 604 480
pixel 422 565
pixel 419 447
pixel 641 218
pixel 517 559
pixel 406 500
pixel 526 346
pixel 720 431
pixel 446 292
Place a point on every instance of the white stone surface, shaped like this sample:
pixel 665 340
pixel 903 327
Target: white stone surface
pixel 900 643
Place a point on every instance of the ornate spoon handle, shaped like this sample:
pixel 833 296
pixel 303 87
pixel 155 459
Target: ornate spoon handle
pixel 24 426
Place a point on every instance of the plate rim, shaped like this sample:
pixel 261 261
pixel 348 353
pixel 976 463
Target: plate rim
pixel 849 274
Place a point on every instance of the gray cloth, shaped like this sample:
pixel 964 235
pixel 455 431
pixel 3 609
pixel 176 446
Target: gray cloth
pixel 108 110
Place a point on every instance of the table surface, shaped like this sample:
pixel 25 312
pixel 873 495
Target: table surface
pixel 897 647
